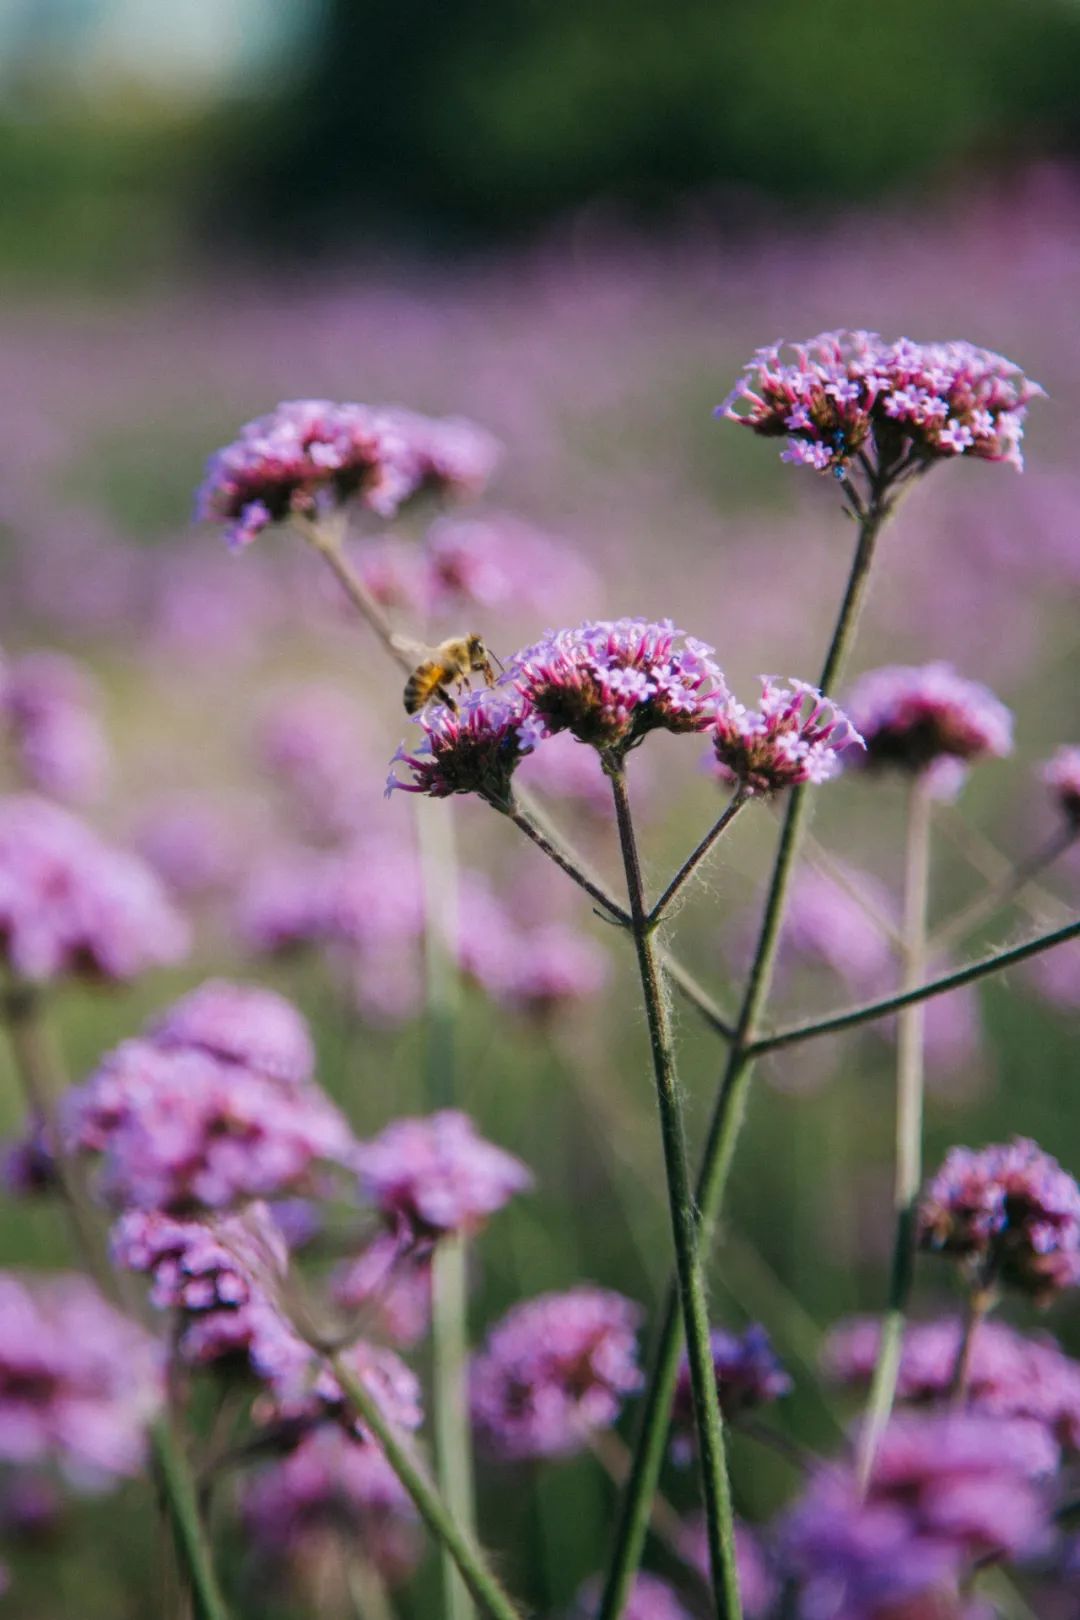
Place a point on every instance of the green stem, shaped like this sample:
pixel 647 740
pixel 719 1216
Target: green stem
pixel 910 1066
pixel 453 1447
pixel 697 855
pixel 569 863
pixel 873 1010
pixel 709 1427
pixel 730 1108
pixel 178 1489
pixel 470 1561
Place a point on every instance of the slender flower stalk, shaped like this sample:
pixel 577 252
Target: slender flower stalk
pixel 980 1302
pixel 453 1448
pixel 730 1107
pixel 326 535
pixel 708 1423
pixel 871 1011
pixel 910 1075
pixel 41 1073
pixel 470 1561
pixel 697 855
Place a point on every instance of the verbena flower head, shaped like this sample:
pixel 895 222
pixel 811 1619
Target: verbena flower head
pixel 49 710
pixel 331 1484
pixel 308 455
pixel 181 1131
pixel 1010 1214
pixel 610 682
pixel 928 717
pixel 302 1390
pixel 1010 1375
pixel 71 904
pixel 846 393
pixel 473 750
pixel 793 736
pixel 748 1373
pixel 554 1370
pixel 210 1276
pixel 1062 776
pixel 946 1491
pixel 79 1383
pixel 243 1024
pixel 436 1175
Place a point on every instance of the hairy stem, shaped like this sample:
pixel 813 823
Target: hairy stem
pixel 910 1054
pixel 326 536
pixel 708 1423
pixel 453 1446
pixel 697 855
pixel 470 1561
pixel 730 1107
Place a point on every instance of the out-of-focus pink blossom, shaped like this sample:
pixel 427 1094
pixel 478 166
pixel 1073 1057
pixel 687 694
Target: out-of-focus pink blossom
pixel 758 1585
pixel 498 562
pixel 311 741
pixel 79 1383
pixel 649 1598
pixel 793 736
pixel 437 1175
pixel 748 1373
pixel 928 718
pixel 554 1370
pixel 50 712
pixel 72 904
pixel 240 1023
pixel 195 845
pixel 389 1282
pixel 302 1390
pixel 1062 776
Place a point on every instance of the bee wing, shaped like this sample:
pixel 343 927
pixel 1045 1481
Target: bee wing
pixel 418 651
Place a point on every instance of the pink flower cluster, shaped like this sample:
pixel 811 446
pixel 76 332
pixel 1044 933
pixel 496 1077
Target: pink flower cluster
pixel 208 1275
pixel 79 1383
pixel 946 1491
pixel 310 454
pixel 311 742
pixel 49 711
pixel 1062 776
pixel 437 1175
pixel 846 394
pixel 929 718
pixel 1010 1214
pixel 794 736
pixel 244 1024
pixel 301 1390
pixel 1009 1375
pixel 71 904
pixel 553 1370
pixel 474 749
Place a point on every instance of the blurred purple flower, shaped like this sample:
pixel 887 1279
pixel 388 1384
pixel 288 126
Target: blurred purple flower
pixel 928 718
pixel 474 749
pixel 749 1374
pixel 27 1161
pixel 309 453
pixel 388 1283
pixel 610 682
pixel 848 392
pixel 311 742
pixel 1009 1375
pixel 194 844
pixel 79 1383
pixel 649 1598
pixel 1009 1213
pixel 243 1024
pixel 553 1370
pixel 331 1483
pixel 301 1389
pixel 499 562
pixel 71 904
pixel 1062 776
pixel 566 770
pixel 825 922
pixel 210 1276
pixel 397 574
pixel 436 1175
pixel 49 709
pixel 795 735
pixel 758 1585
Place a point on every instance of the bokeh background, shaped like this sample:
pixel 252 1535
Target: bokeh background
pixel 572 223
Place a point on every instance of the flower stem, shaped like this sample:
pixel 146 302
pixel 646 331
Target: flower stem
pixel 41 1072
pixel 708 1423
pixel 475 1572
pixel 696 856
pixel 980 1302
pixel 910 1065
pixel 873 1010
pixel 730 1107
pixel 453 1447
pixel 326 536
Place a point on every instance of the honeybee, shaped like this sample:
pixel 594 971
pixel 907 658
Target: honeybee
pixel 449 664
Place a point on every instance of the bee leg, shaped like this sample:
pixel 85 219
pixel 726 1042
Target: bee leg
pixel 489 675
pixel 444 695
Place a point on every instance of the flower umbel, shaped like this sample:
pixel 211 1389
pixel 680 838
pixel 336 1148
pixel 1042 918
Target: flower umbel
pixel 473 749
pixel 927 717
pixel 437 1175
pixel 1010 1214
pixel 794 735
pixel 844 395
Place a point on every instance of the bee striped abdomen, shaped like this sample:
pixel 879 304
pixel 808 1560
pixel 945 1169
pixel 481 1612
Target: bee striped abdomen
pixel 424 684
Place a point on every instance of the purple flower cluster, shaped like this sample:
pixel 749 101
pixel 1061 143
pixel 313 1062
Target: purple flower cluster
pixel 311 743
pixel 437 1175
pixel 793 736
pixel 243 1024
pixel 1009 1375
pixel 209 1275
pixel 610 682
pixel 48 709
pixel 332 1484
pixel 79 1383
pixel 649 1598
pixel 473 749
pixel 310 454
pixel 301 1390
pixel 757 1581
pixel 71 904
pixel 748 1375
pixel 1010 1214
pixel 928 717
pixel 846 394
pixel 946 1492
pixel 1062 776
pixel 553 1370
